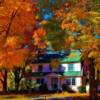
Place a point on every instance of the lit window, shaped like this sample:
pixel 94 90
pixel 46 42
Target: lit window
pixel 70 67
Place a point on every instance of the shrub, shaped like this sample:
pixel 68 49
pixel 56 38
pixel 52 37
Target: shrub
pixel 65 87
pixel 82 89
pixel 43 88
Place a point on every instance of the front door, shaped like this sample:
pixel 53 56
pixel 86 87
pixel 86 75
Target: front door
pixel 54 83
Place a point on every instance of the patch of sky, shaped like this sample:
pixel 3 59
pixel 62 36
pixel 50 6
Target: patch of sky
pixel 26 46
pixel 47 13
pixel 82 22
pixel 97 36
pixel 52 1
pixel 75 33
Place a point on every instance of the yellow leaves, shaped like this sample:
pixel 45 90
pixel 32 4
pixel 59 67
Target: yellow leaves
pixel 71 38
pixel 97 63
pixel 43 22
pixel 93 54
pixel 93 13
pixel 72 26
pixel 12 42
pixel 94 17
pixel 97 29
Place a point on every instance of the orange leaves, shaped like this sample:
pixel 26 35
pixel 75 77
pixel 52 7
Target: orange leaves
pixel 38 37
pixel 40 32
pixel 13 58
pixel 1 75
pixel 58 13
pixel 24 18
pixel 80 13
pixel 69 26
pixel 55 63
pixel 16 17
pixel 12 42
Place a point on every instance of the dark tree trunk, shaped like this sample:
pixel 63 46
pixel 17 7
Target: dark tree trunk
pixel 17 78
pixel 93 83
pixel 19 74
pixel 5 81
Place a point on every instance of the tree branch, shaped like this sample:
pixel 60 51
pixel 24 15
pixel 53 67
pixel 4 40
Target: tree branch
pixel 22 71
pixel 10 23
pixel 1 80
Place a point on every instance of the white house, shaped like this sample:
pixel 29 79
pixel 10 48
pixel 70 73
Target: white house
pixel 69 72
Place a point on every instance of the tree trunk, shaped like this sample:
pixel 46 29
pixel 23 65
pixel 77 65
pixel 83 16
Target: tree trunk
pixel 17 79
pixel 16 86
pixel 5 81
pixel 93 88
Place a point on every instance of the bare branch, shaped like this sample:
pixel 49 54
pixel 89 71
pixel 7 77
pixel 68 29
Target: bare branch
pixel 10 23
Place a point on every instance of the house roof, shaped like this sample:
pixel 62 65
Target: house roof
pixel 72 56
pixel 72 73
pixel 48 56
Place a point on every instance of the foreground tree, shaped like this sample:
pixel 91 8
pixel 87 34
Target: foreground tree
pixel 18 24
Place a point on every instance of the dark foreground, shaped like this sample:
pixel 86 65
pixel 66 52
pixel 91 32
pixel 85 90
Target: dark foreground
pixel 56 96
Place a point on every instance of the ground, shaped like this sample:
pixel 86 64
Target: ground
pixel 60 96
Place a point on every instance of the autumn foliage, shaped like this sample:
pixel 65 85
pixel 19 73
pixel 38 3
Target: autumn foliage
pixel 20 35
pixel 17 30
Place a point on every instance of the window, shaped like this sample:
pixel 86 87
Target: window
pixel 40 68
pixel 54 83
pixel 40 81
pixel 50 68
pixel 70 67
pixel 70 81
pixel 73 81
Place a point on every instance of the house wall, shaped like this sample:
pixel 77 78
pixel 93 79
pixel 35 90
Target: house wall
pixel 34 68
pixel 77 66
pixel 46 68
pixel 64 68
pixel 78 79
pixel 78 83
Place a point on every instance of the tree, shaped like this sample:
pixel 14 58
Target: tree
pixel 18 24
pixel 79 21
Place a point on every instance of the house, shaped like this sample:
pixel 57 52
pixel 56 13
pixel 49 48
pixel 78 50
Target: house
pixel 69 71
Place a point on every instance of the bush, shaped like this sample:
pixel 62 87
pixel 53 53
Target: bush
pixel 82 89
pixel 43 88
pixel 65 87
